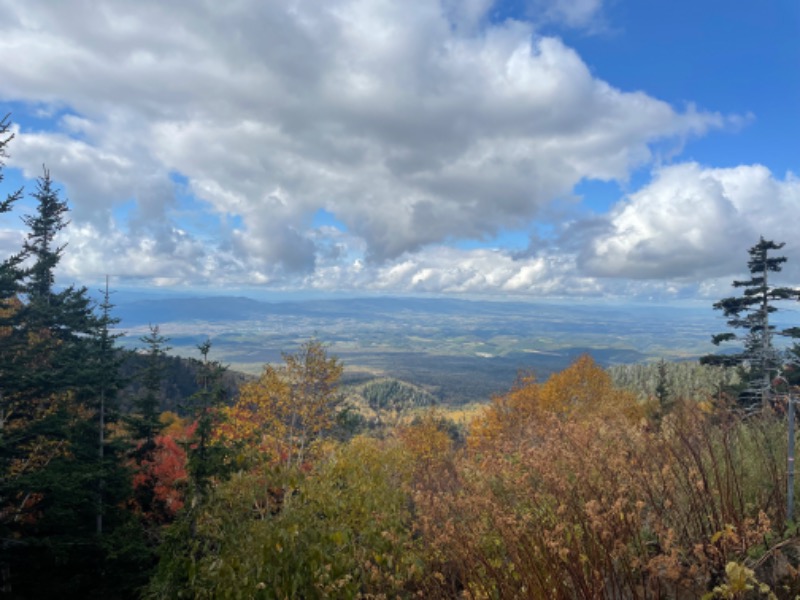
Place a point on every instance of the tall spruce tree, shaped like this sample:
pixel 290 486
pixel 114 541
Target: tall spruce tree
pixel 9 269
pixel 44 341
pixel 206 458
pixel 183 547
pixel 103 384
pixel 143 423
pixel 5 138
pixel 61 483
pixel 759 359
pixel 11 274
pixel 663 392
pixel 10 280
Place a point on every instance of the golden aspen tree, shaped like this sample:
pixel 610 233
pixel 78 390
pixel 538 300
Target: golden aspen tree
pixel 288 406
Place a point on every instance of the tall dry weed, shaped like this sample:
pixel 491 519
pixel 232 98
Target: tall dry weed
pixel 604 507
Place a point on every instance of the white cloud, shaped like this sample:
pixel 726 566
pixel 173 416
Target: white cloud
pixel 97 177
pixel 413 123
pixel 450 270
pixel 693 222
pixel 10 242
pixel 171 257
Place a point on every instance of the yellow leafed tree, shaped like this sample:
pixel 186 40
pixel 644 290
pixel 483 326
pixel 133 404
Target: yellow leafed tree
pixel 586 388
pixel 581 391
pixel 288 406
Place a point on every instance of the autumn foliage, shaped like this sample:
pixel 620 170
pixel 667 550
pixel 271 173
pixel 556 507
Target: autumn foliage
pixel 582 392
pixel 568 491
pixel 159 482
pixel 282 412
pixel 564 489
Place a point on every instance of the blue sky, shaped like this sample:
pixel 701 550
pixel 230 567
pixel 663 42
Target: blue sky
pixel 535 148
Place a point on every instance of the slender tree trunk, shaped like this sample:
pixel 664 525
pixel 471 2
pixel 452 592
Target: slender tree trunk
pixel 766 343
pixel 101 441
pixel 790 463
pixel 101 456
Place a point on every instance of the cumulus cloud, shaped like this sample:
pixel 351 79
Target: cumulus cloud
pixel 10 242
pixel 451 270
pixel 479 272
pixel 693 222
pixel 412 123
pixel 102 176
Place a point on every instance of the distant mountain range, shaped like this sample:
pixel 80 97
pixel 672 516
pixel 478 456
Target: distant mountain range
pixel 460 350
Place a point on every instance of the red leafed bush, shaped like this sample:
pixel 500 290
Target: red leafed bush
pixel 160 480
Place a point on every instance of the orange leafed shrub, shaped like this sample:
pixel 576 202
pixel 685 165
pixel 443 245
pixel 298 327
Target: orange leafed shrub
pixel 580 392
pixel 590 506
pixel 425 440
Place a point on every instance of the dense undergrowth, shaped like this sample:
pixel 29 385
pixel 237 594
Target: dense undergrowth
pixel 566 489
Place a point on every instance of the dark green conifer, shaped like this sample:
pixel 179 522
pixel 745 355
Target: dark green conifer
pixel 143 423
pixel 663 391
pixel 11 274
pixel 206 458
pixel 62 480
pixel 758 358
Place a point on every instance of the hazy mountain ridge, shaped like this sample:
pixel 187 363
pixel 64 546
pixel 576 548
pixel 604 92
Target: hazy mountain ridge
pixel 241 308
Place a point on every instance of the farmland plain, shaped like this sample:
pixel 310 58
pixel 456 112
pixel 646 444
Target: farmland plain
pixel 459 350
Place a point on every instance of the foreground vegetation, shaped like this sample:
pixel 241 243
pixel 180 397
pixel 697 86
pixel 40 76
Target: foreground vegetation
pixel 570 488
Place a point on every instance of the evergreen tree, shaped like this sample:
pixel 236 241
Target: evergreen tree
pixel 42 503
pixel 9 268
pixel 750 312
pixel 184 545
pixel 663 391
pixel 206 458
pixel 143 423
pixel 11 275
pixel 50 327
pixel 44 225
pixel 61 477
pixel 5 139
pixel 103 385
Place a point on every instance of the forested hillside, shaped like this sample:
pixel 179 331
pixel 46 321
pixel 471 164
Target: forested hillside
pixel 178 381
